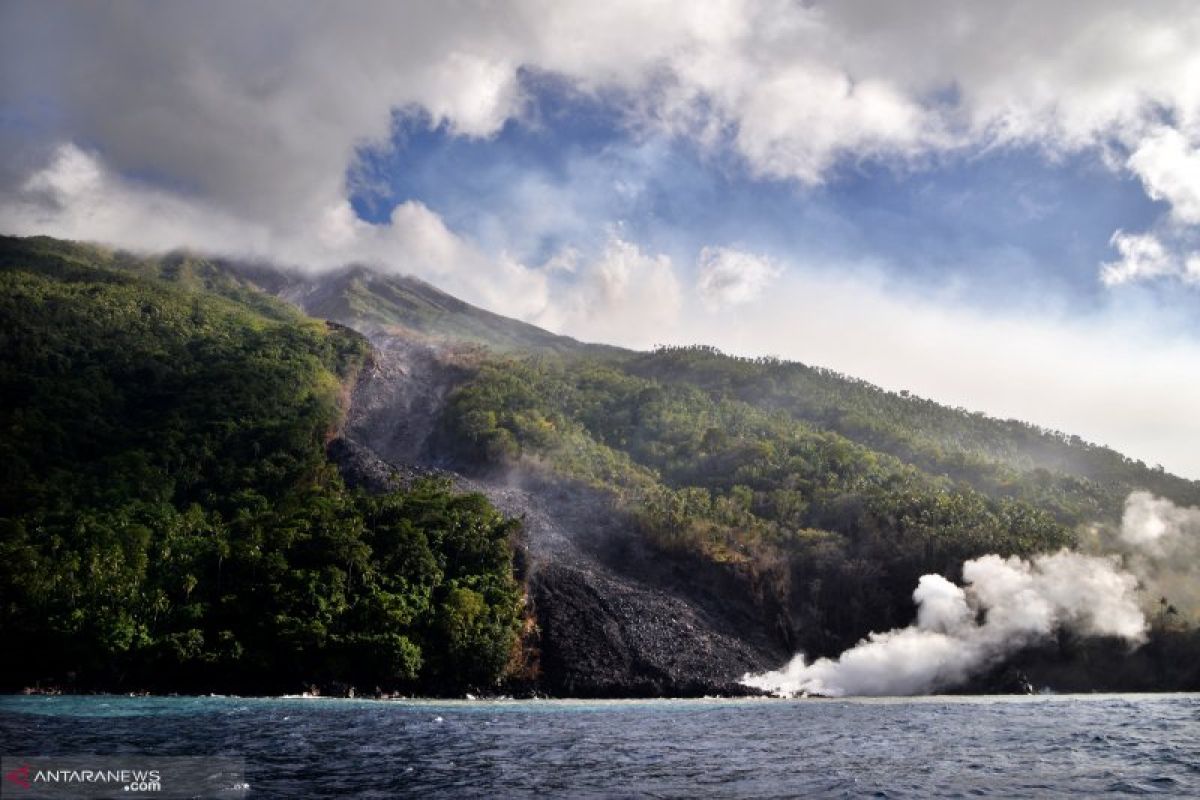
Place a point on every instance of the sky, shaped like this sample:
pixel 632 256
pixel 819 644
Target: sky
pixel 994 205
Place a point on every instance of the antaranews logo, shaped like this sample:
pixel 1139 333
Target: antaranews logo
pixel 127 780
pixel 30 777
pixel 19 776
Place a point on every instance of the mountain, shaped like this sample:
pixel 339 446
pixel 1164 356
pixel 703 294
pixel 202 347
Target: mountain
pixel 371 301
pixel 1074 477
pixel 686 516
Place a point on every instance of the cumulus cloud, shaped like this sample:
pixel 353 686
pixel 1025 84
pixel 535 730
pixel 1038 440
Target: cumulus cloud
pixel 260 111
pixel 729 277
pixel 1191 269
pixel 1144 256
pixel 798 121
pixel 1169 167
pixel 77 196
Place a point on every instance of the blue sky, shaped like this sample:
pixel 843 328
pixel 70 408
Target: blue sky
pixel 1000 226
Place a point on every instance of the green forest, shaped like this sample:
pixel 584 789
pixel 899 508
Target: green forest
pixel 169 519
pixel 1076 480
pixel 744 463
pixel 808 510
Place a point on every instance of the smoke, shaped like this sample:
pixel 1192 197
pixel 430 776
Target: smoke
pixel 1005 605
pixel 1151 559
pixel 1160 543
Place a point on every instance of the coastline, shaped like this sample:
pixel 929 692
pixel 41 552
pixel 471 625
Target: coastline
pixel 517 700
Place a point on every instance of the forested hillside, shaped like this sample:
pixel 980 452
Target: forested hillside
pixel 829 530
pixel 1074 479
pixel 168 516
pixel 1077 480
pixel 842 530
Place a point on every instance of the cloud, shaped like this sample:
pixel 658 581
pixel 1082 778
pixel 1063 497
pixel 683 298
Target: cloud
pixel 798 121
pixel 1191 269
pixel 77 196
pixel 261 110
pixel 1144 256
pixel 729 277
pixel 624 296
pixel 1169 167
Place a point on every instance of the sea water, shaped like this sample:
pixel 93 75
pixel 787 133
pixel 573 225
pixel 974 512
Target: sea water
pixel 1055 746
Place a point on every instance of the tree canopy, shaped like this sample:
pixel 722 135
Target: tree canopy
pixel 168 516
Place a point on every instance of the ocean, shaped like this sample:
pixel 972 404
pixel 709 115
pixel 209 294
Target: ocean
pixel 1043 746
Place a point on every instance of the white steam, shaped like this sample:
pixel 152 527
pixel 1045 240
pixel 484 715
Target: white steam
pixel 1151 559
pixel 1005 605
pixel 1160 543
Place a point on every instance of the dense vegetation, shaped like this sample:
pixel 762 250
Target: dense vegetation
pixel 168 517
pixel 832 530
pixel 1074 479
pixel 842 532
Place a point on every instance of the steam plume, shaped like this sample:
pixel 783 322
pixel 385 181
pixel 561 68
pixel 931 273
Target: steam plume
pixel 1160 543
pixel 1005 605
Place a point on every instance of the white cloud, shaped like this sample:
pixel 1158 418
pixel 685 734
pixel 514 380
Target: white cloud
pixel 1169 167
pixel 729 277
pixel 261 109
pixel 624 296
pixel 1191 269
pixel 77 197
pixel 1142 256
pixel 796 122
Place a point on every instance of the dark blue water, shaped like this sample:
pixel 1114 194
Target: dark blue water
pixel 931 747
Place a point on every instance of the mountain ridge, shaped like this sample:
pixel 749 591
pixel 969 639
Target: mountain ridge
pixel 689 516
pixel 373 298
pixel 346 295
pixel 941 439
